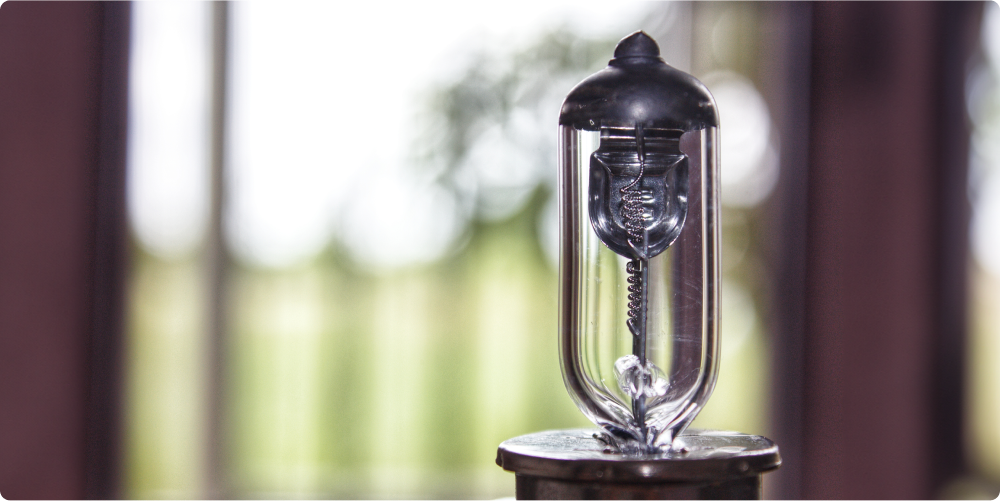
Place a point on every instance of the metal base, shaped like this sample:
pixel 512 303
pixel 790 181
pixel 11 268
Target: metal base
pixel 572 464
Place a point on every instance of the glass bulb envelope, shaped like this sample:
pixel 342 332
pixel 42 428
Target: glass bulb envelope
pixel 639 235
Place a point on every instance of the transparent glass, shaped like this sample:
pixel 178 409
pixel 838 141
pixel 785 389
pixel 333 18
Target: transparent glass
pixel 641 406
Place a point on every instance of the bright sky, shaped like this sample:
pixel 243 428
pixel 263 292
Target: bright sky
pixel 322 100
pixel 984 108
pixel 168 125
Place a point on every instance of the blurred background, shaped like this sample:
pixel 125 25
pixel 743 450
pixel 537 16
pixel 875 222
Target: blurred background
pixel 308 250
pixel 389 225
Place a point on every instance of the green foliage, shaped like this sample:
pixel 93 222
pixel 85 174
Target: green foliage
pixel 518 92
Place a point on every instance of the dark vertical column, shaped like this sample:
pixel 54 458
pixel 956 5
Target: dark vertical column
pixel 787 32
pixel 870 253
pixel 884 171
pixel 110 260
pixel 62 88
pixel 958 26
pixel 217 260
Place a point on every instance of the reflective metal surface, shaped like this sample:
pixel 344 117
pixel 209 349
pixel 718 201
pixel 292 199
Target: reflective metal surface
pixel 573 464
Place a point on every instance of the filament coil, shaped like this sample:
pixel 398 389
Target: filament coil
pixel 634 270
pixel 632 218
pixel 632 211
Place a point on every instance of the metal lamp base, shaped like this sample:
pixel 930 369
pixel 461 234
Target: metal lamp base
pixel 572 464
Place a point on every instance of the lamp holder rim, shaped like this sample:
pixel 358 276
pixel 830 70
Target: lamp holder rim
pixel 575 454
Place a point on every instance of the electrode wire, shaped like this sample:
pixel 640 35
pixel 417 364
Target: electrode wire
pixel 638 270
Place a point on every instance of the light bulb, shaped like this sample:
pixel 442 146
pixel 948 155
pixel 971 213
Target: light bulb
pixel 638 196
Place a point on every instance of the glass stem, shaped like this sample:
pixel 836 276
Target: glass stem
pixel 642 261
pixel 638 329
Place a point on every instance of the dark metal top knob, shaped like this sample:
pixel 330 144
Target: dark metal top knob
pixel 638 44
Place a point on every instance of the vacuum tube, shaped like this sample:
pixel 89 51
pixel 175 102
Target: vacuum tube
pixel 639 261
pixel 638 296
